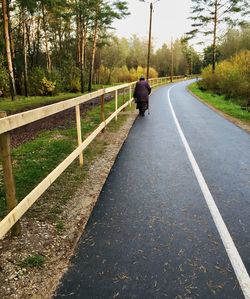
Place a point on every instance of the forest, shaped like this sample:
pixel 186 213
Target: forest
pixel 55 46
pixel 52 46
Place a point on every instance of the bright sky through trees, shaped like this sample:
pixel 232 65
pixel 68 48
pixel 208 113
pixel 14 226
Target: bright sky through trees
pixel 170 18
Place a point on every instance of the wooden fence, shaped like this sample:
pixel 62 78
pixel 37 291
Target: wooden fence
pixel 8 123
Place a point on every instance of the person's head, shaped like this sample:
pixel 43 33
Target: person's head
pixel 142 78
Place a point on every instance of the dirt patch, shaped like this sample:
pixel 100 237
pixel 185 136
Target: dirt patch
pixel 64 119
pixel 43 238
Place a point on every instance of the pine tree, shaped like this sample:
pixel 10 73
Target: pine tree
pixel 208 15
pixel 105 12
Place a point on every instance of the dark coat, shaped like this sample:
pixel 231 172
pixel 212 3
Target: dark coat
pixel 142 91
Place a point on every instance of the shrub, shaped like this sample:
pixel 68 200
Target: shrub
pixel 209 80
pixel 152 73
pixel 231 77
pixel 136 74
pixel 55 77
pixel 35 79
pixel 104 75
pixel 140 71
pixel 71 81
pixel 123 74
pixel 228 78
pixel 133 75
pixel 241 64
pixel 47 87
pixel 43 83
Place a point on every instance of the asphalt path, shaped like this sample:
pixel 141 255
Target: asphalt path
pixel 152 233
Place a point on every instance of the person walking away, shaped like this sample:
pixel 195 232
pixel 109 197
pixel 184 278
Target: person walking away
pixel 141 95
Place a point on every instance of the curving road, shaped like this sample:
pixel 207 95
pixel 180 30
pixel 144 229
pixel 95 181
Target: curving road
pixel 172 220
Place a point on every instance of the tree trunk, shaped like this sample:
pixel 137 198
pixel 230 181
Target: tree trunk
pixel 82 62
pixel 25 64
pixel 8 49
pixel 215 35
pixel 109 76
pixel 92 60
pixel 49 65
pixel 12 46
pixel 38 38
pixel 13 54
pixel 78 38
pixel 60 36
pixel 30 51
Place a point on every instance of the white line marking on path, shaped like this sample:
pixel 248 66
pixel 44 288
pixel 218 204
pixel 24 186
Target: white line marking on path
pixel 232 252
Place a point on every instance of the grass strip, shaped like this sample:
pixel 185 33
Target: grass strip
pixel 22 103
pixel 229 106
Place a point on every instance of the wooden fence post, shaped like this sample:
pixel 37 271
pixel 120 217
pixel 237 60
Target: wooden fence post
pixel 130 95
pixel 8 175
pixel 116 103
pixel 79 132
pixel 123 98
pixel 102 115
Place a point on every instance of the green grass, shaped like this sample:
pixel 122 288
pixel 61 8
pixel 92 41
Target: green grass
pixel 220 102
pixel 22 104
pixel 33 261
pixel 35 159
pixel 60 227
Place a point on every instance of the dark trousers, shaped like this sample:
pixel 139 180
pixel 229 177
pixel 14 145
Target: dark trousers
pixel 142 106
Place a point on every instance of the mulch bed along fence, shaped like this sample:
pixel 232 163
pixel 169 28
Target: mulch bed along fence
pixel 64 119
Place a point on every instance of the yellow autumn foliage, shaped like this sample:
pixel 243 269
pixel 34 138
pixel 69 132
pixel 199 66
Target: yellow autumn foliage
pixel 231 77
pixel 123 74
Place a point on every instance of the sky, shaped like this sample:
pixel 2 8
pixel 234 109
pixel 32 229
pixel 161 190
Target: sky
pixel 170 19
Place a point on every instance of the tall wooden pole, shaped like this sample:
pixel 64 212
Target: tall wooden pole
pixel 130 95
pixel 102 112
pixel 116 103
pixel 79 132
pixel 123 99
pixel 149 38
pixel 172 60
pixel 8 174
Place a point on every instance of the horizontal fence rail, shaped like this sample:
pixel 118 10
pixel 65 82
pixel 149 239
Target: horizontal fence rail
pixel 12 122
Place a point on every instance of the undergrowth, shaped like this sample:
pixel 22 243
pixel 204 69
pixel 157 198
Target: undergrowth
pixel 222 103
